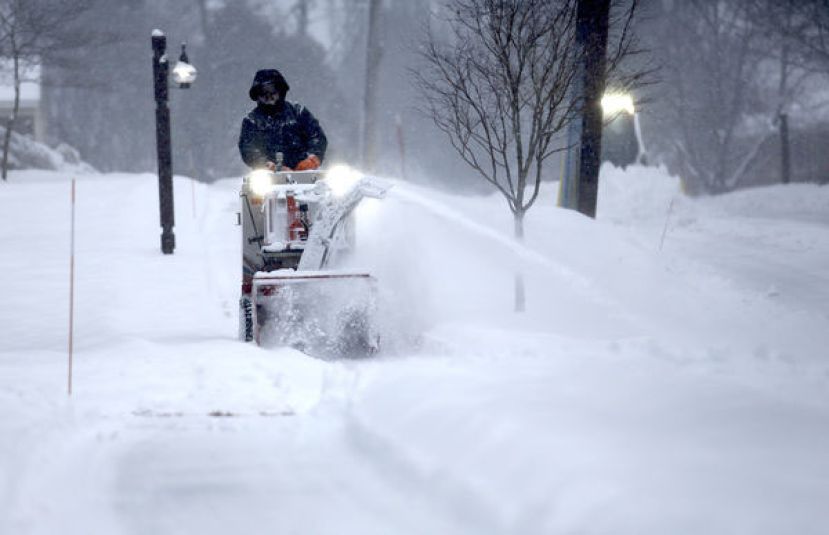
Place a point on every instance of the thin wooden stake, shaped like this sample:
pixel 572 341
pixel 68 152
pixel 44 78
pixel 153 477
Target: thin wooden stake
pixel 193 195
pixel 401 146
pixel 667 219
pixel 71 289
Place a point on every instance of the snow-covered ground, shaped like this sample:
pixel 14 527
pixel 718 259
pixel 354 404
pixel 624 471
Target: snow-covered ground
pixel 676 385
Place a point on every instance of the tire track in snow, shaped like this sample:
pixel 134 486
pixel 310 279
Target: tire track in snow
pixel 435 489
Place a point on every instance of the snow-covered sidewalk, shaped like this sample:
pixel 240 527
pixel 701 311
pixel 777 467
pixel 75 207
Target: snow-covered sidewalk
pixel 644 391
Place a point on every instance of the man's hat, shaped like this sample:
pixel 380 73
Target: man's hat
pixel 265 76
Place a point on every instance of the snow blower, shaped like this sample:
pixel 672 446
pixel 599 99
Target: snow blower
pixel 296 226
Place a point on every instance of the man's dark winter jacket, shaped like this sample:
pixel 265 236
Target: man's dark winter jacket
pixel 288 128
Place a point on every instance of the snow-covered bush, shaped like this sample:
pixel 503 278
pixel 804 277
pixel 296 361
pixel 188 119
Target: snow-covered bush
pixel 26 153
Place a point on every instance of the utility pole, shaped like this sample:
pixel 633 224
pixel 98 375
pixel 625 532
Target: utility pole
pixel 161 69
pixel 580 185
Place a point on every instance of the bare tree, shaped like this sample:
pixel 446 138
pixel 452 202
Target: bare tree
pixel 807 29
pixel 732 71
pixel 784 46
pixel 708 49
pixel 501 90
pixel 31 30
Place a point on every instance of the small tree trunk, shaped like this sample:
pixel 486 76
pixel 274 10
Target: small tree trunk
pixel 203 17
pixel 401 145
pixel 785 154
pixel 302 18
pixel 12 118
pixel 373 55
pixel 6 143
pixel 520 293
pixel 782 92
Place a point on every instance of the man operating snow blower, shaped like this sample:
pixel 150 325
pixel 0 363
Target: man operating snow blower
pixel 295 230
pixel 278 126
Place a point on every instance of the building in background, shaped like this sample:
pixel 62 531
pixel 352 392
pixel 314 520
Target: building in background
pixel 31 120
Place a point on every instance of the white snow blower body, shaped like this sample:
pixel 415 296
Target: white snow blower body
pixel 296 227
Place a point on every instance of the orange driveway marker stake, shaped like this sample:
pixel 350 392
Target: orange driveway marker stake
pixel 71 288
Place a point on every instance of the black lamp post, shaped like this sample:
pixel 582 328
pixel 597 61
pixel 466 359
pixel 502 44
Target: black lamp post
pixel 184 74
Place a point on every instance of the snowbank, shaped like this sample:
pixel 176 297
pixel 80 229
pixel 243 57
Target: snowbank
pixel 641 193
pixel 636 193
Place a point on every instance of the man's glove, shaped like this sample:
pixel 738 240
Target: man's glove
pixel 309 163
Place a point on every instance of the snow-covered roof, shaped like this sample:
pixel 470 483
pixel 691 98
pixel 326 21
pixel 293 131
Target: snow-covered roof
pixel 29 89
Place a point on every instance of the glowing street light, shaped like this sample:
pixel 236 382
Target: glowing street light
pixel 624 144
pixel 613 103
pixel 184 73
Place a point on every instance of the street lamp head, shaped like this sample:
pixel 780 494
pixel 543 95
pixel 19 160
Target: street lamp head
pixel 184 74
pixel 615 103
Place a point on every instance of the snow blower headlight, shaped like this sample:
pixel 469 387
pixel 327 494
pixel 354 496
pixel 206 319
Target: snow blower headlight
pixel 261 182
pixel 341 179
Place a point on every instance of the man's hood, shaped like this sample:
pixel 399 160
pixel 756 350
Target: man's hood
pixel 268 75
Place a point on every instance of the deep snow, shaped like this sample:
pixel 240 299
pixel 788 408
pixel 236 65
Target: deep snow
pixel 680 389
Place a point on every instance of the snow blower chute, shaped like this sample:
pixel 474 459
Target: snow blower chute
pixel 296 226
